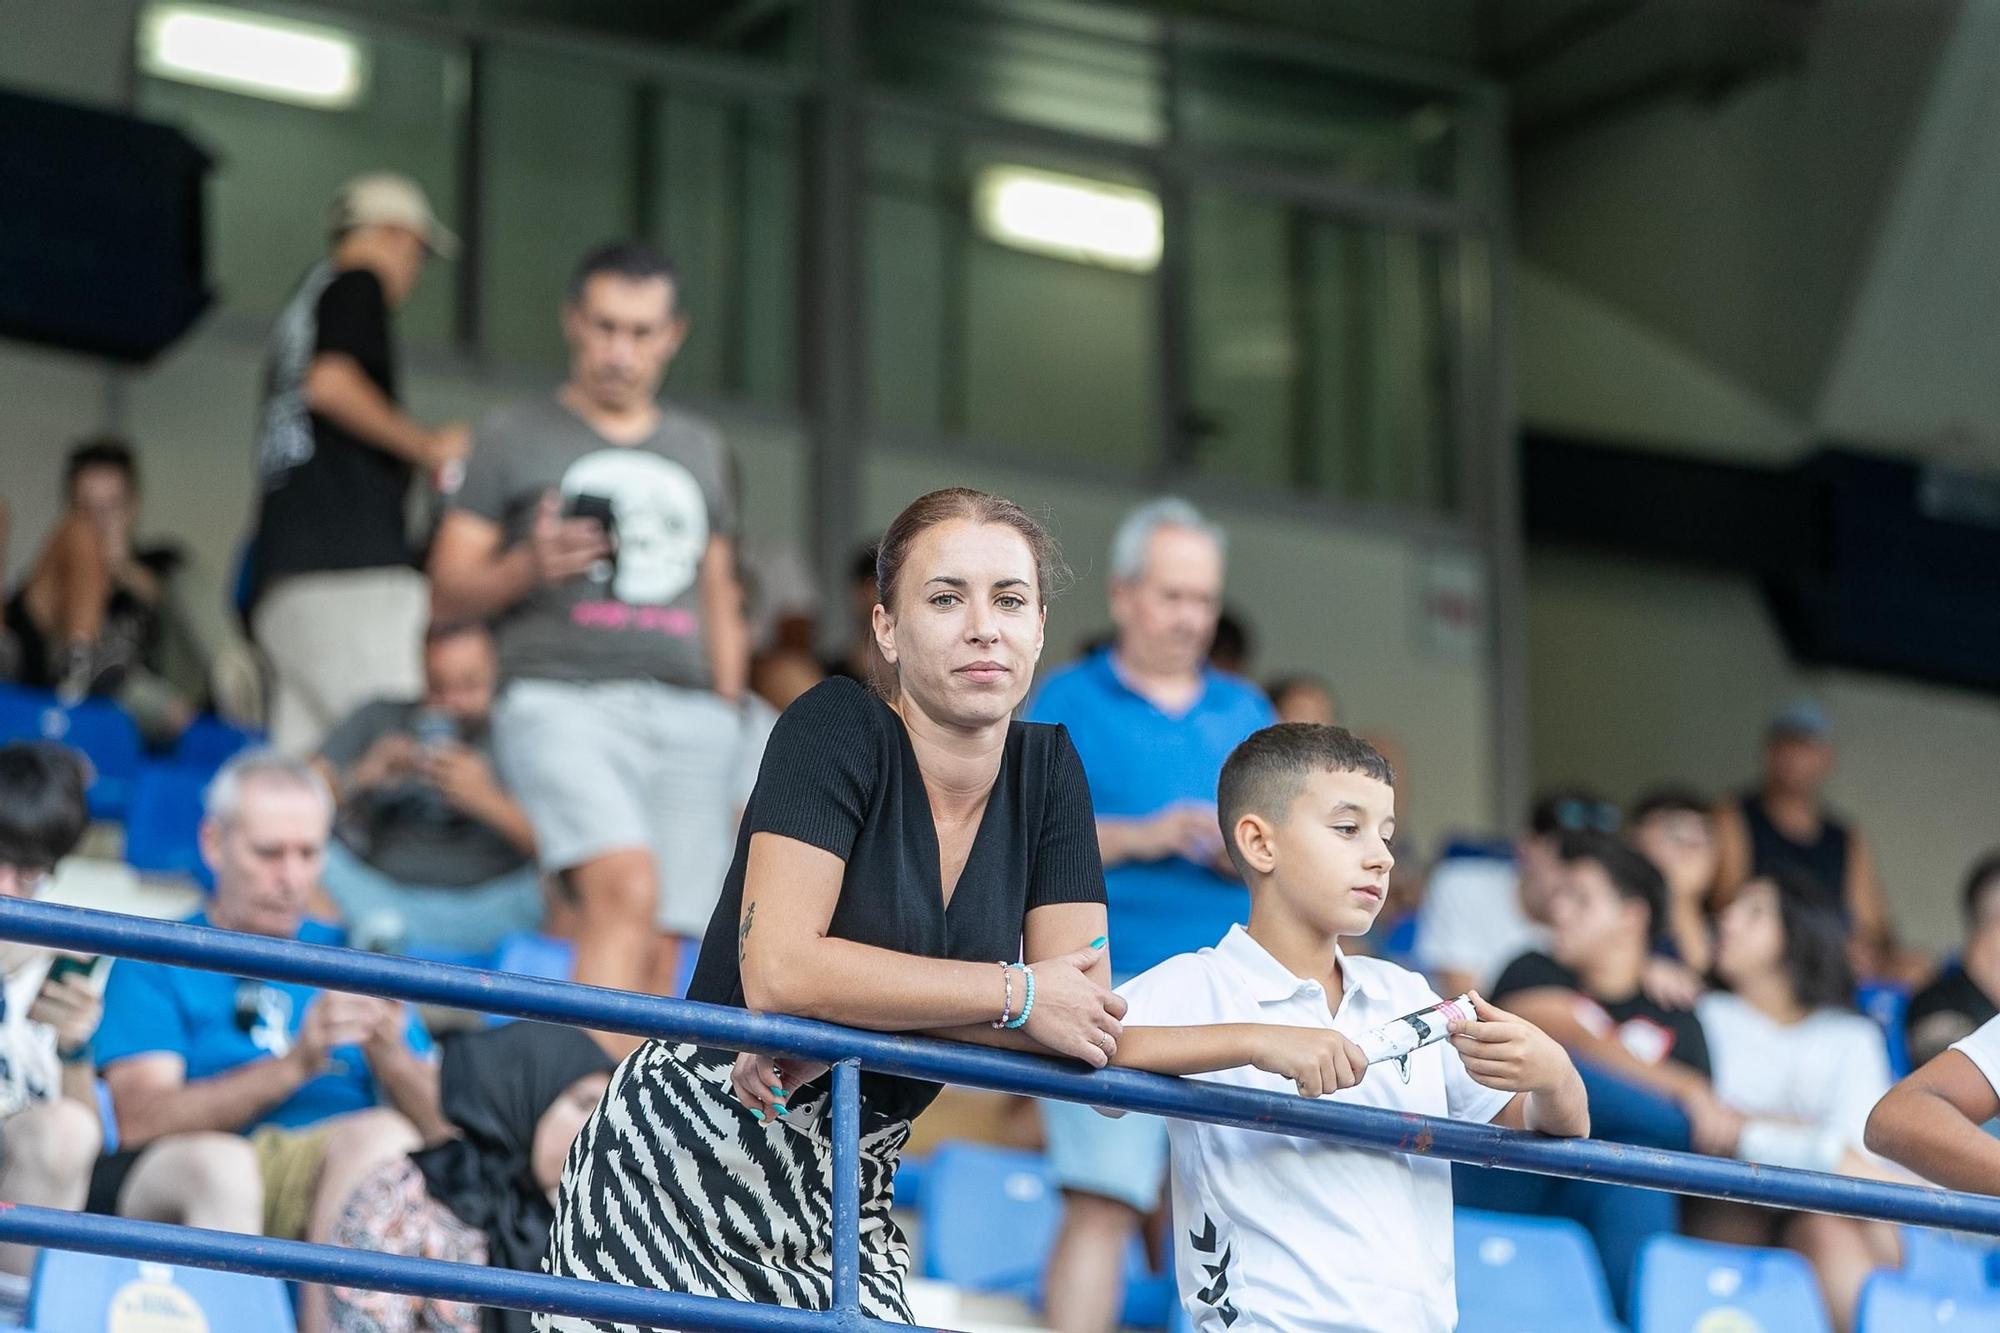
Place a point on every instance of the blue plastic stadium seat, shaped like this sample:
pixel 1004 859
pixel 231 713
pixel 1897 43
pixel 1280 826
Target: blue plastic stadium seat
pixel 97 727
pixel 535 955
pixel 990 1216
pixel 1519 1273
pixel 1944 1261
pixel 1684 1285
pixel 532 954
pixel 1888 1004
pixel 1892 1303
pixel 162 829
pixel 912 1179
pixel 209 742
pixel 91 1291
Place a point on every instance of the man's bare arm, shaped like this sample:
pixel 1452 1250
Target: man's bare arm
pixel 339 389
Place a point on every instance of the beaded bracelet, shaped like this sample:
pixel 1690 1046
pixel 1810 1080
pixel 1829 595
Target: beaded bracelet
pixel 1006 1005
pixel 1027 1004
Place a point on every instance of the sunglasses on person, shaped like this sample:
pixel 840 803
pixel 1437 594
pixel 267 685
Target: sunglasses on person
pixel 1580 816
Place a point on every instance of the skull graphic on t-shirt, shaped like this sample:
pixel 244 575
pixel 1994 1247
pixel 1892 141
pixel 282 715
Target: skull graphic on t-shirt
pixel 661 519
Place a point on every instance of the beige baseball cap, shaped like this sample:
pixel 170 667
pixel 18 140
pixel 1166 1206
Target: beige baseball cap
pixel 390 199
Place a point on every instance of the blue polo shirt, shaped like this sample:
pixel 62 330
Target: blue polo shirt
pixel 1140 760
pixel 217 1023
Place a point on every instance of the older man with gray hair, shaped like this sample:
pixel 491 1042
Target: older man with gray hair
pixel 1153 723
pixel 257 1106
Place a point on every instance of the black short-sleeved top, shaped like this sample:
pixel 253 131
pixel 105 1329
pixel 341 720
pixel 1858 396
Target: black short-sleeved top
pixel 332 500
pixel 839 774
pixel 1651 1032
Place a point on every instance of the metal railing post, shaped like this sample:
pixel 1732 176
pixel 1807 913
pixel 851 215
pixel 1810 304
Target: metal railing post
pixel 847 1189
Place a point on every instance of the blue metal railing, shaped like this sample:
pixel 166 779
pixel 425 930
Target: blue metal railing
pixel 846 1049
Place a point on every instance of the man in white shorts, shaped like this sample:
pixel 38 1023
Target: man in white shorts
pixel 596 529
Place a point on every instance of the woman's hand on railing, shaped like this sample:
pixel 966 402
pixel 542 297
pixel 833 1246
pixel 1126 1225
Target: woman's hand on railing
pixel 1318 1060
pixel 1074 1014
pixel 763 1084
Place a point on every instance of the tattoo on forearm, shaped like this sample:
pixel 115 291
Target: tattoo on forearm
pixel 743 933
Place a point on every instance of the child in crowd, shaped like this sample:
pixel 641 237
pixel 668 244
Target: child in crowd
pixel 1276 1232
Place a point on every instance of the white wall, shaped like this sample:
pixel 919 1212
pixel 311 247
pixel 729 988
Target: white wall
pixel 1645 675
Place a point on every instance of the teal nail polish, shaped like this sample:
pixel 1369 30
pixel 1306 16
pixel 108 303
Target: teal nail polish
pixel 782 1108
pixel 777 1091
pixel 1098 943
pixel 759 1114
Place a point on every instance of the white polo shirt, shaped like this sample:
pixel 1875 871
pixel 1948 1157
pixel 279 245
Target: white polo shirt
pixel 1276 1233
pixel 1982 1048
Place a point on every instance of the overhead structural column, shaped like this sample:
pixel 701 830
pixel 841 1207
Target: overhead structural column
pixel 831 317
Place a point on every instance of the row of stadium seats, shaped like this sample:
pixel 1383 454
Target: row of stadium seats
pixel 105 734
pixel 1515 1275
pixel 989 1216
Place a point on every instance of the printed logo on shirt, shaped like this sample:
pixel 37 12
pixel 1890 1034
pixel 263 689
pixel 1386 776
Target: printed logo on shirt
pixel 271 1032
pixel 1215 1295
pixel 1646 1041
pixel 661 523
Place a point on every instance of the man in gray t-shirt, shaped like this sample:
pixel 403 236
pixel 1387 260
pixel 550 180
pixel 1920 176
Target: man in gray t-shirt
pixel 636 614
pixel 596 530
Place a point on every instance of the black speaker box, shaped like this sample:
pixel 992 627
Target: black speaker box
pixel 101 229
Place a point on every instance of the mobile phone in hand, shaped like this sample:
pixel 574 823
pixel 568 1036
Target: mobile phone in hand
pixel 599 510
pixel 93 970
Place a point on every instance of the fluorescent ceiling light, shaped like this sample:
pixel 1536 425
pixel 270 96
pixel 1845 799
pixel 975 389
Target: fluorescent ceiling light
pixel 1070 217
pixel 249 53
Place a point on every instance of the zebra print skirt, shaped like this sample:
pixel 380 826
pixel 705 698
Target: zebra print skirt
pixel 673 1185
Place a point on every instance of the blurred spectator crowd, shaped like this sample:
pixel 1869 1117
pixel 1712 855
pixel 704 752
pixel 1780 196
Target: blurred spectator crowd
pixel 513 683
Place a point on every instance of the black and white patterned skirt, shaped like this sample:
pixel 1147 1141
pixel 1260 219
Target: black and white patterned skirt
pixel 673 1185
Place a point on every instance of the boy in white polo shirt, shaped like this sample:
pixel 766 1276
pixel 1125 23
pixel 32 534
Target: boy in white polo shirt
pixel 1281 1233
pixel 1939 1122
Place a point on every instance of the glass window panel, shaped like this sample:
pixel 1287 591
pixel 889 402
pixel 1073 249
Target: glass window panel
pixel 1303 114
pixel 1321 357
pixel 278 165
pixel 774 32
pixel 1050 358
pixel 721 201
pixel 768 279
pixel 561 146
pixel 1091 69
pixel 914 238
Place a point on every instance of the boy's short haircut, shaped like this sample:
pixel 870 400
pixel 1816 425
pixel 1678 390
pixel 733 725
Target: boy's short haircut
pixel 1266 773
pixel 42 809
pixel 1635 878
pixel 1982 880
pixel 1670 801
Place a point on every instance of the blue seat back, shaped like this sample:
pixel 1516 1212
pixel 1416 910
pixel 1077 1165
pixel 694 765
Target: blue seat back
pixel 1892 1303
pixel 209 743
pixel 97 727
pixel 1888 1003
pixel 92 1291
pixel 1942 1261
pixel 163 827
pixel 1684 1285
pixel 1517 1272
pixel 532 954
pixel 990 1216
